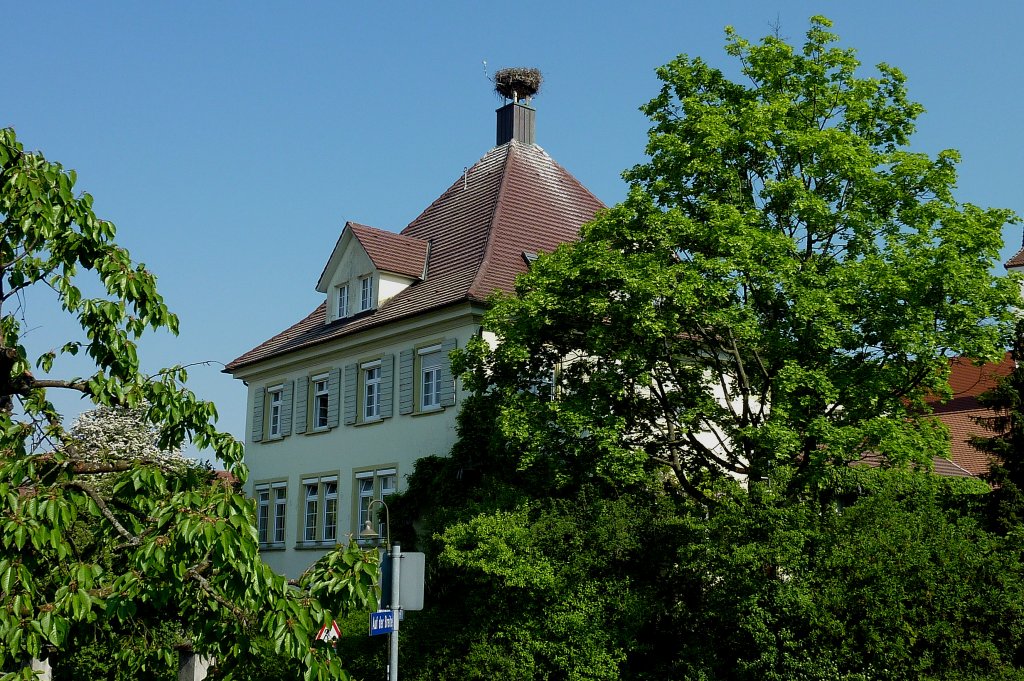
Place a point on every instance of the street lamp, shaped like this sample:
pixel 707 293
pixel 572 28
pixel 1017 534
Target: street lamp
pixel 368 533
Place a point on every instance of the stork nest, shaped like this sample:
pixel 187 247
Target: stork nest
pixel 517 83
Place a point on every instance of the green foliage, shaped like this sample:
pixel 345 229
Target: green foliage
pixel 87 653
pixel 1006 444
pixel 782 286
pixel 897 584
pixel 160 543
pixel 545 590
pixel 886 574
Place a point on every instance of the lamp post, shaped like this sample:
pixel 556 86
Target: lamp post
pixel 396 563
pixel 368 533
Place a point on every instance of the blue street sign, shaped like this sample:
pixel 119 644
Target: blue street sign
pixel 381 622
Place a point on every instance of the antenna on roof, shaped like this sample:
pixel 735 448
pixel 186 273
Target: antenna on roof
pixel 465 178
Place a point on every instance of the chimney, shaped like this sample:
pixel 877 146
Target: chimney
pixel 516 121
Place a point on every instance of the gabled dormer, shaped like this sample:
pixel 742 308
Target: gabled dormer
pixel 369 266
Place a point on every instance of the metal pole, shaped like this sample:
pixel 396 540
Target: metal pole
pixel 396 566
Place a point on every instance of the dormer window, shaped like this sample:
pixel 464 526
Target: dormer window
pixel 342 308
pixel 366 293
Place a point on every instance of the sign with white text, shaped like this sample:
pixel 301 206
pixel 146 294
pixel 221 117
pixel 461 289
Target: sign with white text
pixel 382 622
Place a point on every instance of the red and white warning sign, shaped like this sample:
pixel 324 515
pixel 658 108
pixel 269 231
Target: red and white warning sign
pixel 329 633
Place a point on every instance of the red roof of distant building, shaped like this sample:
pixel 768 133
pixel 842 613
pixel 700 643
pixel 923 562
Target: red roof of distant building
pixel 224 477
pixel 967 381
pixel 1016 261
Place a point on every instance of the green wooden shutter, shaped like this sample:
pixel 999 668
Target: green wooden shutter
pixel 301 403
pixel 286 409
pixel 259 397
pixel 387 386
pixel 351 381
pixel 406 364
pixel 333 397
pixel 447 380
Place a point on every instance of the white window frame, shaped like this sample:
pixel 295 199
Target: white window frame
pixel 373 485
pixel 275 400
pixel 430 380
pixel 321 402
pixel 319 509
pixel 263 513
pixel 271 512
pixel 366 293
pixel 310 509
pixel 430 397
pixel 341 305
pixel 371 390
pixel 280 511
pixel 329 514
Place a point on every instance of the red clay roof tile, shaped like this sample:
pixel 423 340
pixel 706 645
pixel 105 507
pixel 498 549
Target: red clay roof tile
pixel 392 252
pixel 968 380
pixel 1016 261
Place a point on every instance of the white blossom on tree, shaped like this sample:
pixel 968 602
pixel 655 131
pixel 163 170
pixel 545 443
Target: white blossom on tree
pixel 107 434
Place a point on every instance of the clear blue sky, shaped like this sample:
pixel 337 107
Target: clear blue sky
pixel 229 142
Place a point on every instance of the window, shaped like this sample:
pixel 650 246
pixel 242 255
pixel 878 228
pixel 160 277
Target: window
pixel 371 391
pixel 263 514
pixel 276 409
pixel 366 293
pixel 342 307
pixel 431 398
pixel 370 485
pixel 368 393
pixel 321 402
pixel 320 514
pixel 329 527
pixel 272 411
pixel 312 496
pixel 431 361
pixel 270 528
pixel 317 400
pixel 425 382
pixel 280 507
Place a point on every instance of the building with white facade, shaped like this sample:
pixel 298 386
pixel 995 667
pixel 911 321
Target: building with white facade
pixel 342 403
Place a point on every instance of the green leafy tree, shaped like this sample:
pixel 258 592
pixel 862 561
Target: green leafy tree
pixel 775 298
pixel 1006 444
pixel 782 286
pixel 894 577
pixel 110 435
pixel 170 545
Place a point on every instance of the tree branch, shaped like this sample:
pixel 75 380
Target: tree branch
pixel 196 573
pixel 81 386
pixel 133 540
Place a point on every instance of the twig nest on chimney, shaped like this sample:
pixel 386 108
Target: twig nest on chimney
pixel 517 83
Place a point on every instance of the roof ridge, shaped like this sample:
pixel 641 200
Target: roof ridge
pixel 485 258
pixel 444 194
pixel 570 176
